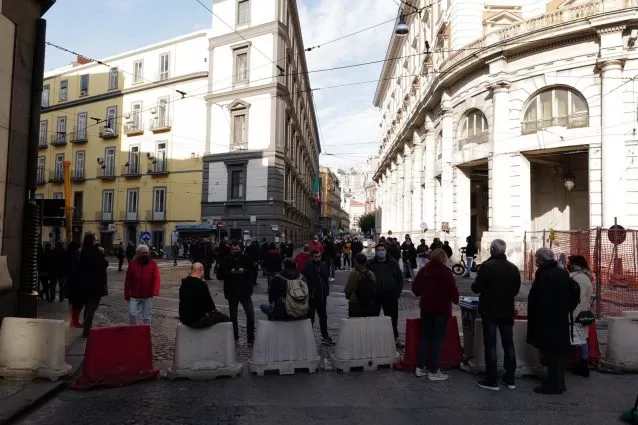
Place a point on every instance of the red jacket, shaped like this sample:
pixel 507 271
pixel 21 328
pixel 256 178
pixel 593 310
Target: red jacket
pixel 315 246
pixel 142 280
pixel 436 285
pixel 301 259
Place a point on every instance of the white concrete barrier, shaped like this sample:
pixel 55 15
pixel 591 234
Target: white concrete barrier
pixel 622 345
pixel 204 353
pixel 527 360
pixel 33 348
pixel 633 313
pixel 365 343
pixel 284 347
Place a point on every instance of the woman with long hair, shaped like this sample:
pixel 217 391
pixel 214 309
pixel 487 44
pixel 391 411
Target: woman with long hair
pixel 579 271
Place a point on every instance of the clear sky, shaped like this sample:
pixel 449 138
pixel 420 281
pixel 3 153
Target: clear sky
pixel 348 121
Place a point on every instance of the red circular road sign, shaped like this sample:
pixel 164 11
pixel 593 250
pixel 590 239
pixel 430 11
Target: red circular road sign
pixel 220 224
pixel 617 234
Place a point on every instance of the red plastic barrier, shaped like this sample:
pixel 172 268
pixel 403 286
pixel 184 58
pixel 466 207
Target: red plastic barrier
pixel 116 356
pixel 451 355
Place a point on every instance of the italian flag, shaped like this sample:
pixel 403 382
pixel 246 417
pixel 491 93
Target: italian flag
pixel 316 188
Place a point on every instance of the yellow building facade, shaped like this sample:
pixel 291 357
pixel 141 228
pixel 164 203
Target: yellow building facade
pixel 133 129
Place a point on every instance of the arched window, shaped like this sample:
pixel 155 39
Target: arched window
pixel 555 107
pixel 473 128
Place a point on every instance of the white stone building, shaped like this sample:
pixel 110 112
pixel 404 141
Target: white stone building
pixel 481 134
pixel 263 140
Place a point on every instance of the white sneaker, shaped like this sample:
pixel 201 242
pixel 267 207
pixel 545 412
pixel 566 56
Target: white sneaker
pixel 419 373
pixel 438 376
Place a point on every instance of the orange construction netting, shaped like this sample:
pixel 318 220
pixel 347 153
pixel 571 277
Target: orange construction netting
pixel 614 264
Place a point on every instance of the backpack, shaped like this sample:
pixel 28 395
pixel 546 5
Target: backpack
pixel 296 300
pixel 366 289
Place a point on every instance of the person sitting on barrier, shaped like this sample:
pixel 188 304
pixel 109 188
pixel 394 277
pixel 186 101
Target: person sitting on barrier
pixel 141 284
pixel 197 309
pixel 234 271
pixel 360 289
pixel 436 285
pixel 288 295
pixel 389 280
pixel 548 311
pixel 497 283
pixel 583 317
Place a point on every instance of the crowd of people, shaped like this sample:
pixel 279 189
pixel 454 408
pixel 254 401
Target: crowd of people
pixel 558 312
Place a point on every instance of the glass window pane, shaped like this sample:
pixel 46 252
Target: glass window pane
pixel 578 104
pixel 531 112
pixel 546 104
pixel 561 102
pixel 471 124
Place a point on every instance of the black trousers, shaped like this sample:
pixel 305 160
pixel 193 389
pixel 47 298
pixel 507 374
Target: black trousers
pixel 389 302
pixel 247 304
pixel 210 319
pixel 319 306
pixel 554 359
pixel 90 307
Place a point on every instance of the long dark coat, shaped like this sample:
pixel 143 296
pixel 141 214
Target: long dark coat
pixel 548 308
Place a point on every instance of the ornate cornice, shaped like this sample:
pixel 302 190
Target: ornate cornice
pixel 614 28
pixel 500 86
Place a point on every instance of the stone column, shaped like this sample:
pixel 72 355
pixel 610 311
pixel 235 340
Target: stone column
pixel 429 200
pixel 447 174
pixel 462 207
pixel 613 143
pixel 392 195
pixel 417 177
pixel 397 205
pixel 408 187
pixel 499 165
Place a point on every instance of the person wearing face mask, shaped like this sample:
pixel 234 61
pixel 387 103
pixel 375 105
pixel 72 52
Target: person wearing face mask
pixel 316 245
pixel 197 309
pixel 408 255
pixel 235 271
pixel 317 274
pixel 389 280
pixel 142 283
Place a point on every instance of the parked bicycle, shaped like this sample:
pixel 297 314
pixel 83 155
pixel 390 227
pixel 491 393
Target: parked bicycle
pixel 459 269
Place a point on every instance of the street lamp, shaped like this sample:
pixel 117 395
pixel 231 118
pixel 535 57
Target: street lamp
pixel 569 180
pixel 401 28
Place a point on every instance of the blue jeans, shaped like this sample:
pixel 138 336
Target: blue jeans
pixel 506 328
pixel 433 329
pixel 468 265
pixel 137 304
pixel 407 269
pixel 584 352
pixel 266 308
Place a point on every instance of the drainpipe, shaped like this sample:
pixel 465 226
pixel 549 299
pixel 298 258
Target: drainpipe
pixel 28 293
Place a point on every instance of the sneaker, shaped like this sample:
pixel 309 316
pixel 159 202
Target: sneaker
pixel 399 345
pixel 327 341
pixel 419 373
pixel 332 279
pixel 509 383
pixel 438 376
pixel 465 367
pixel 486 385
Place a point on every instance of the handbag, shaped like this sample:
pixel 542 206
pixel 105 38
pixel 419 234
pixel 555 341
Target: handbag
pixel 585 318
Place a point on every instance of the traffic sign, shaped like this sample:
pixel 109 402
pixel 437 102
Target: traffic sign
pixel 220 224
pixel 145 236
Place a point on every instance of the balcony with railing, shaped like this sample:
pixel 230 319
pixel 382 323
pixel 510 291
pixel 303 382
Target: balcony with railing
pixel 477 139
pixel 79 135
pixel 133 128
pixel 56 176
pixel 158 167
pixel 157 216
pixel 129 216
pixel 78 175
pixel 577 120
pixel 131 170
pixel 161 123
pixel 106 172
pixel 58 139
pixel 104 216
pixel 108 132
pixel 40 176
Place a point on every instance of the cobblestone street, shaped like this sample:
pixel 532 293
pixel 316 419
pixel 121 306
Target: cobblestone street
pixel 384 397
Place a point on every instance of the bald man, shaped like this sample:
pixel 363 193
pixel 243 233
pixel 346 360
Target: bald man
pixel 196 306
